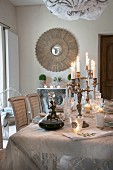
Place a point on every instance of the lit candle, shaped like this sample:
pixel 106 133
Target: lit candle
pixel 87 62
pixel 78 128
pixel 69 93
pixel 78 64
pixel 51 86
pixel 45 86
pixel 86 58
pixel 66 91
pixel 94 70
pixel 87 108
pixel 92 64
pixel 58 86
pixel 101 110
pixel 73 70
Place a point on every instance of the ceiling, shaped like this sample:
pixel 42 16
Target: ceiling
pixel 26 2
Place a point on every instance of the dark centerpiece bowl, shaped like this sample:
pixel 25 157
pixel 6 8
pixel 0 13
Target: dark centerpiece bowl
pixel 51 124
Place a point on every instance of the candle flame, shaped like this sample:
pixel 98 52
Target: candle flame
pixel 87 54
pixel 77 58
pixel 92 64
pixel 73 64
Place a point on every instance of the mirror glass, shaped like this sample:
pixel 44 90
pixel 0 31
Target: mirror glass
pixel 56 50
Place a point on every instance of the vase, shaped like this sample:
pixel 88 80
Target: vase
pixel 42 83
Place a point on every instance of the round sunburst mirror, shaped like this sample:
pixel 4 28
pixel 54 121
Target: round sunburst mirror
pixel 56 49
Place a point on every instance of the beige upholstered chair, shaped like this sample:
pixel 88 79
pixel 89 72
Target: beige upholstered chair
pixel 35 104
pixel 1 141
pixel 20 110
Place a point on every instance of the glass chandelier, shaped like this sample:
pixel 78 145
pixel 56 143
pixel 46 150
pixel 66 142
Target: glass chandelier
pixel 75 9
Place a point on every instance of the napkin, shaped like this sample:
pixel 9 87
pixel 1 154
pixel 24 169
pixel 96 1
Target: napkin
pixel 88 134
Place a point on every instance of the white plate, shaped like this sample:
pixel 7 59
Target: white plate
pixel 109 111
pixel 108 124
pixel 108 107
pixel 108 103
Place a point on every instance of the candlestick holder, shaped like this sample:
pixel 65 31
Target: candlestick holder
pixel 78 74
pixel 90 74
pixel 87 90
pixel 75 88
pixel 94 86
pixel 73 83
pixel 86 67
pixel 79 92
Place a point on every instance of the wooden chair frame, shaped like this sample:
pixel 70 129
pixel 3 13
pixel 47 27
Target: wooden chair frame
pixel 35 104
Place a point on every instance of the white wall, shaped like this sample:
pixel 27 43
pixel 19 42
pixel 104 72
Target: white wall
pixel 32 21
pixel 8 14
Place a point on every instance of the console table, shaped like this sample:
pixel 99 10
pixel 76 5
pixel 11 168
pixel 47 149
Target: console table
pixel 57 93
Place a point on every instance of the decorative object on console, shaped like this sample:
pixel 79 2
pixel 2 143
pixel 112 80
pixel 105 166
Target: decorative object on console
pixel 57 81
pixel 55 49
pixel 45 86
pixel 75 9
pixel 69 77
pixel 42 79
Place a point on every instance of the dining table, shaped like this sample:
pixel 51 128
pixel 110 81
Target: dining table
pixel 34 148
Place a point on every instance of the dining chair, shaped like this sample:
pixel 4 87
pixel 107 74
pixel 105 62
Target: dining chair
pixel 20 109
pixel 1 141
pixel 35 104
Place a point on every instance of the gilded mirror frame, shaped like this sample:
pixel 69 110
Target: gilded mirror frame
pixel 61 41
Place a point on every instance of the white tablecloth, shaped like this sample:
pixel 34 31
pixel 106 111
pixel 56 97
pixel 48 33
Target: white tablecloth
pixel 34 148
